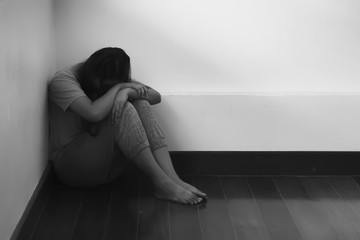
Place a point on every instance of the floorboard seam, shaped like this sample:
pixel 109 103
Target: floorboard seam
pixel 294 220
pixel 257 208
pixel 333 188
pixel 77 218
pixel 198 213
pixel 43 209
pixel 108 210
pixel 169 219
pixel 227 207
pixel 138 208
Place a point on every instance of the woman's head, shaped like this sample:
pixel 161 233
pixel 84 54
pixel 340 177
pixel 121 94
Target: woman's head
pixel 102 70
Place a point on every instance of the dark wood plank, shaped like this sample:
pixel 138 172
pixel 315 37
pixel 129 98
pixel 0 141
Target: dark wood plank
pixel 276 215
pixel 93 213
pixel 124 207
pixel 347 188
pixel 214 216
pixel 341 216
pixel 357 179
pixel 61 214
pixel 39 206
pixel 244 211
pixel 154 217
pixel 349 191
pixel 309 216
pixel 185 224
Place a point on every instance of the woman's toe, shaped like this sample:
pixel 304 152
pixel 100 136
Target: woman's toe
pixel 200 193
pixel 203 195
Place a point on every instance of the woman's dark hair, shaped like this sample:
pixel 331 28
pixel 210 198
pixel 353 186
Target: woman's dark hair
pixel 101 71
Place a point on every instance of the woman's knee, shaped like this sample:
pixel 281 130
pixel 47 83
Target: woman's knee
pixel 140 102
pixel 128 111
pixel 141 105
pixel 130 134
pixel 135 108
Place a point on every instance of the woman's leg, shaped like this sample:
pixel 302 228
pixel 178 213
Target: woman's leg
pixel 164 160
pixel 165 187
pixel 133 142
pixel 158 145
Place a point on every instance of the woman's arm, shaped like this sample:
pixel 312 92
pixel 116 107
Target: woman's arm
pixel 95 111
pixel 153 96
pixel 127 94
pixel 141 91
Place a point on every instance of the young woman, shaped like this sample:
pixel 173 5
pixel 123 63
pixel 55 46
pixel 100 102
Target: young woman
pixel 100 118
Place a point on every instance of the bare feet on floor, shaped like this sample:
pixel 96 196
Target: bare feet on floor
pixel 192 189
pixel 176 193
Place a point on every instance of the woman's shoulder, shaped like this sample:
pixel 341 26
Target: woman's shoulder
pixel 66 74
pixel 64 88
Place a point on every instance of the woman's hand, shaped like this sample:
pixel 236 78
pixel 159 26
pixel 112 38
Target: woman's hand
pixel 119 102
pixel 140 88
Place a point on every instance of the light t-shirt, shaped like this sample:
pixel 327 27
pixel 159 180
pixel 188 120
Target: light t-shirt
pixel 65 125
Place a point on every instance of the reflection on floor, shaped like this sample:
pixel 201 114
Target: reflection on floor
pixel 238 208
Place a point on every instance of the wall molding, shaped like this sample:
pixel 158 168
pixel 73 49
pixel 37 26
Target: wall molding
pixel 266 163
pixel 204 163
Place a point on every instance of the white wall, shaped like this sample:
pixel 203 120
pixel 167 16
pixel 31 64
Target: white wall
pixel 222 46
pixel 266 122
pixel 243 55
pixel 25 62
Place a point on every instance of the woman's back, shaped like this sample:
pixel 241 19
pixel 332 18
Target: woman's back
pixel 65 125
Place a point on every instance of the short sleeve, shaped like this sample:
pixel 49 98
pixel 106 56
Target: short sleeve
pixel 64 89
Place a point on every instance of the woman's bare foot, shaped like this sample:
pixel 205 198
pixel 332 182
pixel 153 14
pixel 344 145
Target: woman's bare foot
pixel 174 192
pixel 191 188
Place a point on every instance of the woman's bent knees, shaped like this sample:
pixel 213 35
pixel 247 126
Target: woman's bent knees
pixel 151 125
pixel 141 104
pixel 130 134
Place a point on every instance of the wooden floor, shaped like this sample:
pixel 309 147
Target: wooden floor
pixel 238 208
